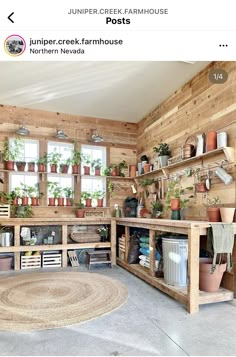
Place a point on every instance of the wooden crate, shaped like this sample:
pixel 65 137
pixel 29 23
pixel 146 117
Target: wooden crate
pixel 30 261
pixel 85 237
pixel 52 260
pixel 73 258
pixel 4 211
pixel 121 254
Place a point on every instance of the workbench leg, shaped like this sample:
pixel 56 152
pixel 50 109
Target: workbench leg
pixel 113 242
pixel 127 236
pixel 193 269
pixel 152 248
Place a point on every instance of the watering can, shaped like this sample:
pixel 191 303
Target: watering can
pixel 188 150
pixel 5 239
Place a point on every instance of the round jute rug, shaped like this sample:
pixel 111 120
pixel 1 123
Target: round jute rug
pixel 40 301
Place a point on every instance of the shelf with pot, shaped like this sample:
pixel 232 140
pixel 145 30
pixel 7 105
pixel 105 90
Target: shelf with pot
pixel 227 154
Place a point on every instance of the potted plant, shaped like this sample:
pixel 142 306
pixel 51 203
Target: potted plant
pixel 69 195
pixel 175 197
pixel 31 166
pixel 11 151
pixel 75 161
pixel 114 170
pixel 86 164
pixel 34 194
pixel 121 166
pixel 54 160
pixel 42 162
pixel 87 197
pixel 106 171
pixel 52 192
pixel 79 210
pixel 20 165
pixel 64 166
pixel 99 196
pixel 96 165
pixel 24 212
pixel 163 152
pixel 25 194
pixel 213 210
pixel 201 181
pixel 103 231
pixel 157 209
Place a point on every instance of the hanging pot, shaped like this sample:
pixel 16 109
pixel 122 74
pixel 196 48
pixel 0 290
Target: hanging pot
pixel 189 150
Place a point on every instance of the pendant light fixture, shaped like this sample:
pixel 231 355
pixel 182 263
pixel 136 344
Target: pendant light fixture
pixel 23 131
pixel 61 135
pixel 96 138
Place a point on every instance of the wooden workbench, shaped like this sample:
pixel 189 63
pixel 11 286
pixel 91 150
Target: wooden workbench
pixel 191 296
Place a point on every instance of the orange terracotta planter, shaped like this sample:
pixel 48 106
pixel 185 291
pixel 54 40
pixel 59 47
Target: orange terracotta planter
pixel 25 201
pixel 34 201
pixel 41 168
pixel 132 170
pixel 97 172
pixel 9 165
pixel 68 201
pixel 211 141
pixel 52 201
pixel 80 213
pixel 100 202
pixel 175 204
pixel 146 168
pixel 86 170
pixel 53 168
pixel 60 201
pixel 88 202
pixel 208 281
pixel 31 166
pixel 213 214
pixel 75 169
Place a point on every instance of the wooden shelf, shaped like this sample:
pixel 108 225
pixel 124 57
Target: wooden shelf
pixel 228 153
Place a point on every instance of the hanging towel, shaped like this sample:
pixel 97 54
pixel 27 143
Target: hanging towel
pixel 222 236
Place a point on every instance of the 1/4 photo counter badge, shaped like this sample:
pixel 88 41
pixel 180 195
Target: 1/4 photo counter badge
pixel 14 45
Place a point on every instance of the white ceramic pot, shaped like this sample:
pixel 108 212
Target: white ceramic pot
pixel 227 214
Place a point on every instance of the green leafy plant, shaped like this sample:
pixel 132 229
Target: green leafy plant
pixel 106 171
pixel 24 189
pixel 86 160
pixel 157 208
pixel 79 205
pixel 13 150
pixel 96 163
pixel 176 191
pixel 76 156
pixel 33 191
pixel 43 159
pixel 86 195
pixel 24 212
pixel 68 192
pixel 98 195
pixel 145 183
pixel 110 187
pixel 122 165
pixel 54 189
pixel 162 150
pixel 103 231
pixel 212 201
pixel 54 157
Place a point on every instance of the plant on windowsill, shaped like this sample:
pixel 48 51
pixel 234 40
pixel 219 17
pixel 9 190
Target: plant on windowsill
pixel 76 159
pixel 64 166
pixel 54 160
pixel 114 170
pixel 53 191
pixel 121 166
pixel 79 209
pixel 69 193
pixel 163 152
pixel 25 194
pixel 34 194
pixel 42 162
pixel 87 197
pixel 86 161
pixel 96 165
pixel 11 151
pixel 99 196
pixel 31 166
pixel 213 209
pixel 106 171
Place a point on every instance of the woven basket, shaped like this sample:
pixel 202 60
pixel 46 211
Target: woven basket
pixel 85 237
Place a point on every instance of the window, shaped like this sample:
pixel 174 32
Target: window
pixel 30 152
pixel 92 184
pixel 65 150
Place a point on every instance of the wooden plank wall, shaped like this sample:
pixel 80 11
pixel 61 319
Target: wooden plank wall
pixel 198 107
pixel 119 138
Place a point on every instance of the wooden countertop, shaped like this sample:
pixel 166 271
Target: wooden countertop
pixel 54 221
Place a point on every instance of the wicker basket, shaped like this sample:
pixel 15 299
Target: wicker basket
pixel 85 237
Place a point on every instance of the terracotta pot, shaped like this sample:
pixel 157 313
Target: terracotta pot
pixel 86 170
pixel 146 168
pixel 213 214
pixel 25 201
pixel 53 168
pixel 51 201
pixel 41 168
pixel 201 187
pixel 88 202
pixel 20 166
pixel 68 201
pixel 211 141
pixel 60 201
pixel 175 204
pixel 34 201
pixel 64 169
pixel 132 170
pixel 227 214
pixel 15 202
pixel 100 202
pixel 80 213
pixel 207 281
pixel 31 166
pixel 5 262
pixel 9 165
pixel 114 171
pixel 97 172
pixel 75 169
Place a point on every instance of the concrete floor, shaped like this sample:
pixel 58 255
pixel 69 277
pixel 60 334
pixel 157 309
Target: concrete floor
pixel 150 323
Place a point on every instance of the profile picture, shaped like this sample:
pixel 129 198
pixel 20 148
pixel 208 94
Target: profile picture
pixel 14 45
